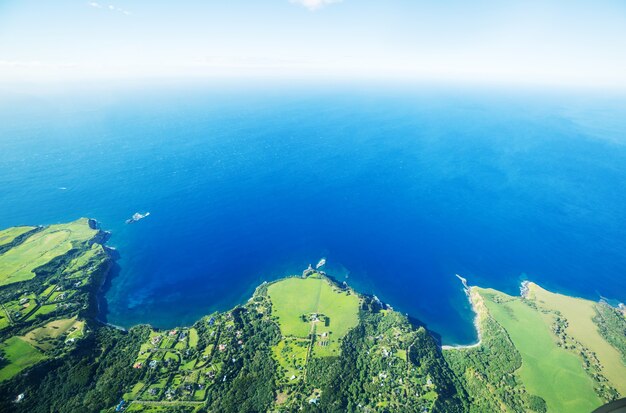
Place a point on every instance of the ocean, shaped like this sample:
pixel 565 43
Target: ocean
pixel 399 188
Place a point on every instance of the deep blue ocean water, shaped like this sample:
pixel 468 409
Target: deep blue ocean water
pixel 398 189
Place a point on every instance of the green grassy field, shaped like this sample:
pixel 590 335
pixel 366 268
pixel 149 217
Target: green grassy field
pixel 48 291
pixel 579 314
pixel 294 297
pixel 193 338
pixel 40 337
pixel 8 235
pixel 18 263
pixel 547 370
pixel 77 331
pixel 159 387
pixel 291 356
pixel 4 320
pixel 136 389
pixel 172 356
pixel 43 310
pixel 160 408
pixel 147 408
pixel 84 259
pixel 20 355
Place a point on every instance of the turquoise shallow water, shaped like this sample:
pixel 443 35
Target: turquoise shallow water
pixel 399 190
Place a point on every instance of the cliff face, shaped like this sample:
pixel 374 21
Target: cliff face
pixel 51 276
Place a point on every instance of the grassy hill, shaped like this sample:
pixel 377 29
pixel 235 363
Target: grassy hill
pixel 314 308
pixel 9 235
pixel 48 276
pixel 21 261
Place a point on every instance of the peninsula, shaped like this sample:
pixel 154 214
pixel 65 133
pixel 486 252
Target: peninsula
pixel 301 343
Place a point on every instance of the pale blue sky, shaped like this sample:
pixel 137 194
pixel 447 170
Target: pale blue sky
pixel 567 42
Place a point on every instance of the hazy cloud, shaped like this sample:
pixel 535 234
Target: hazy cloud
pixel 314 4
pixel 110 7
pixel 35 64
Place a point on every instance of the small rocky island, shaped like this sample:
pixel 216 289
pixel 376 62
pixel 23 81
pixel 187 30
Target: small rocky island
pixel 137 217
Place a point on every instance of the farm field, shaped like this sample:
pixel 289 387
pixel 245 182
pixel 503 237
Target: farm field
pixel 547 370
pixel 84 259
pixel 4 320
pixel 193 338
pixel 157 407
pixel 293 298
pixel 313 316
pixel 42 337
pixel 580 313
pixel 291 356
pixel 43 310
pixel 8 235
pixel 20 355
pixel 19 263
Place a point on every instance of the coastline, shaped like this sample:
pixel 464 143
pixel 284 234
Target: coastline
pixel 478 307
pixel 105 275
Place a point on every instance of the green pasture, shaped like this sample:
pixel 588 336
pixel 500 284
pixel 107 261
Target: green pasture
pixel 85 259
pixel 134 392
pixel 148 408
pixel 199 394
pixel 579 314
pixel 41 337
pixel 77 331
pixel 159 386
pixel 19 263
pixel 189 365
pixel 20 355
pixel 547 370
pixel 43 310
pixel 162 408
pixel 293 298
pixel 8 235
pixel 193 338
pixel 54 296
pixel 172 356
pixel 48 291
pixel 291 354
pixel 4 320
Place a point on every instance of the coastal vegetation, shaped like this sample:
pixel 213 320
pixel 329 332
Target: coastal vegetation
pixel 258 357
pixel 581 333
pixel 488 370
pixel 7 236
pixel 301 343
pixel 547 370
pixel 20 262
pixel 17 355
pixel 541 352
pixel 611 324
pixel 48 275
pixel 313 309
